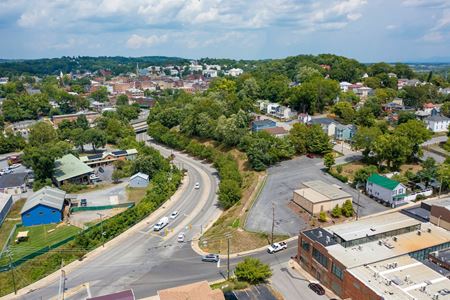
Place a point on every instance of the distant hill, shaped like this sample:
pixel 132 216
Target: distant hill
pixel 116 64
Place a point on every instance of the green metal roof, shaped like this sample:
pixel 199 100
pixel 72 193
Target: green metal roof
pixel 69 166
pixel 383 181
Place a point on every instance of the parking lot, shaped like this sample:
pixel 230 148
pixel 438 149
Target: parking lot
pixel 282 180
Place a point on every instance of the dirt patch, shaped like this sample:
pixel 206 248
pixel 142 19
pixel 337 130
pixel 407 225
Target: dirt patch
pixel 91 217
pixel 312 221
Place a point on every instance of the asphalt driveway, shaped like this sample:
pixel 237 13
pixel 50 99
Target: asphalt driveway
pixel 281 182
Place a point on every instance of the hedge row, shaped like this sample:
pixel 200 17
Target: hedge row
pixel 230 187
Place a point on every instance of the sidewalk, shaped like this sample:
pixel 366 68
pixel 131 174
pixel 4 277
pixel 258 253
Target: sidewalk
pixel 49 279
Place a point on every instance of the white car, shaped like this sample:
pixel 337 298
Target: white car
pixel 14 166
pixel 94 177
pixel 275 247
pixel 197 186
pixel 181 237
pixel 6 171
pixel 161 224
pixel 174 214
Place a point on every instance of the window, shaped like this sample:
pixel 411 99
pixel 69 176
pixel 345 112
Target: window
pixel 28 215
pixel 53 211
pixel 41 213
pixel 337 271
pixel 320 258
pixel 305 246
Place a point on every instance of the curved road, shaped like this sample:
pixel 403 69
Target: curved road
pixel 146 262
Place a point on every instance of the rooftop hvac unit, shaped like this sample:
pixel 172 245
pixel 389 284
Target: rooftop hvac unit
pixel 394 238
pixel 423 288
pixel 380 243
pixel 359 247
pixel 436 296
pixel 419 232
pixel 429 230
pixel 327 239
pixel 407 277
pixel 394 264
pixel 319 234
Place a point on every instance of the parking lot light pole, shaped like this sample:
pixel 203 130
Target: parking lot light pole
pixel 101 228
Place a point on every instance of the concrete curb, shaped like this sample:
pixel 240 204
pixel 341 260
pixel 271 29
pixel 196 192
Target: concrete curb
pixel 91 255
pixel 259 189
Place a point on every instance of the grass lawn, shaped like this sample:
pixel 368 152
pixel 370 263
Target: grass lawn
pixel 349 169
pixel 232 220
pixel 7 225
pixel 39 237
pixel 136 194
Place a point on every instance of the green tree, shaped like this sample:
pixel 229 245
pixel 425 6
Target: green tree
pixel 78 137
pixel 365 138
pixel 96 137
pixel 445 109
pixel 392 149
pixel 101 94
pixel 42 133
pixel 318 140
pixel 230 193
pixel 361 176
pixel 344 111
pixel 336 212
pixel 328 160
pixel 298 136
pixel 416 132
pixel 122 99
pixel 252 270
pixel 306 73
pixel 347 208
pixel 312 96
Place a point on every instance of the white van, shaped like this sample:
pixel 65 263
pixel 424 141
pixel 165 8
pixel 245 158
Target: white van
pixel 161 224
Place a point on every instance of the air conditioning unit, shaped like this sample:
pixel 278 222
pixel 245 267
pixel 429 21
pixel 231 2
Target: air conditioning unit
pixel 394 264
pixel 429 230
pixel 394 238
pixel 407 277
pixel 423 288
pixel 419 232
pixel 380 243
pixel 435 296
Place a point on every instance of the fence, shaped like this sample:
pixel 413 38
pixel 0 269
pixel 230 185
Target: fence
pixel 413 197
pixel 8 240
pixel 103 207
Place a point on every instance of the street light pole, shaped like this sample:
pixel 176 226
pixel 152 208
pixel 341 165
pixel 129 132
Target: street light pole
pixel 101 228
pixel 228 259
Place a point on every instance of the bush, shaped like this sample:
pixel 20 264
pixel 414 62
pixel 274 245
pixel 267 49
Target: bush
pixel 229 193
pixel 339 169
pixel 252 270
pixel 347 208
pixel 339 177
pixel 323 216
pixel 336 212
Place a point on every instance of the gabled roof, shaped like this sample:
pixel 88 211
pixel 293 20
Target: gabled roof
pixel 139 174
pixel 383 181
pixel 69 166
pixel 437 118
pixel 48 196
pixel 326 121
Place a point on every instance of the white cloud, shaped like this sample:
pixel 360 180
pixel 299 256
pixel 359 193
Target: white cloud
pixel 433 36
pixel 137 41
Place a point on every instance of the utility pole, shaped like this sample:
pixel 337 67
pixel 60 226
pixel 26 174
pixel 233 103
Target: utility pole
pixel 273 222
pixel 101 228
pixel 62 282
pixel 11 268
pixel 440 188
pixel 357 205
pixel 228 259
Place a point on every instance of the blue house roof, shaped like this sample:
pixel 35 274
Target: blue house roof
pixel 47 196
pixel 265 122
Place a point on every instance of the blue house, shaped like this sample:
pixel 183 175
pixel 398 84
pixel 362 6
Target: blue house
pixel 139 180
pixel 263 124
pixel 344 132
pixel 44 207
pixel 5 205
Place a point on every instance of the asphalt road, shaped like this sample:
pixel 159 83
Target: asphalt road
pixel 147 263
pixel 282 180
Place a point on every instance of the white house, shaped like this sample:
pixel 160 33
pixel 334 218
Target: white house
pixel 272 108
pixel 235 72
pixel 139 180
pixel 344 86
pixel 387 190
pixel 328 125
pixel 437 123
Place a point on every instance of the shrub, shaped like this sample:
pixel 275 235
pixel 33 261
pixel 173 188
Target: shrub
pixel 336 212
pixel 252 270
pixel 347 208
pixel 339 177
pixel 339 169
pixel 322 216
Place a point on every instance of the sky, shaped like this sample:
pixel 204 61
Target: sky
pixel 367 30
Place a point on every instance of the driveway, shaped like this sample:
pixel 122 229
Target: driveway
pixel 281 182
pixel 114 194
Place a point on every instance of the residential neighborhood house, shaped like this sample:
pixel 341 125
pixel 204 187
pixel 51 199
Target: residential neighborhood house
pixel 385 189
pixel 139 180
pixel 43 207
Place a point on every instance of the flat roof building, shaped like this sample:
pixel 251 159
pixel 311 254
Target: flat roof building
pixel 370 258
pixel 319 196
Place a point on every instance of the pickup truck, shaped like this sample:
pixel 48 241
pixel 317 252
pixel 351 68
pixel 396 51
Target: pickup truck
pixel 275 247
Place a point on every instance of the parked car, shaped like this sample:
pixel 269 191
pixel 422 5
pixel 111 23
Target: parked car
pixel 197 186
pixel 6 171
pixel 163 222
pixel 174 214
pixel 210 257
pixel 275 247
pixel 181 237
pixel 94 177
pixel 317 288
pixel 83 202
pixel 14 166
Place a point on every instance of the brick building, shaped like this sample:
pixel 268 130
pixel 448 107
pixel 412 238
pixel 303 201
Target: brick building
pixel 367 259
